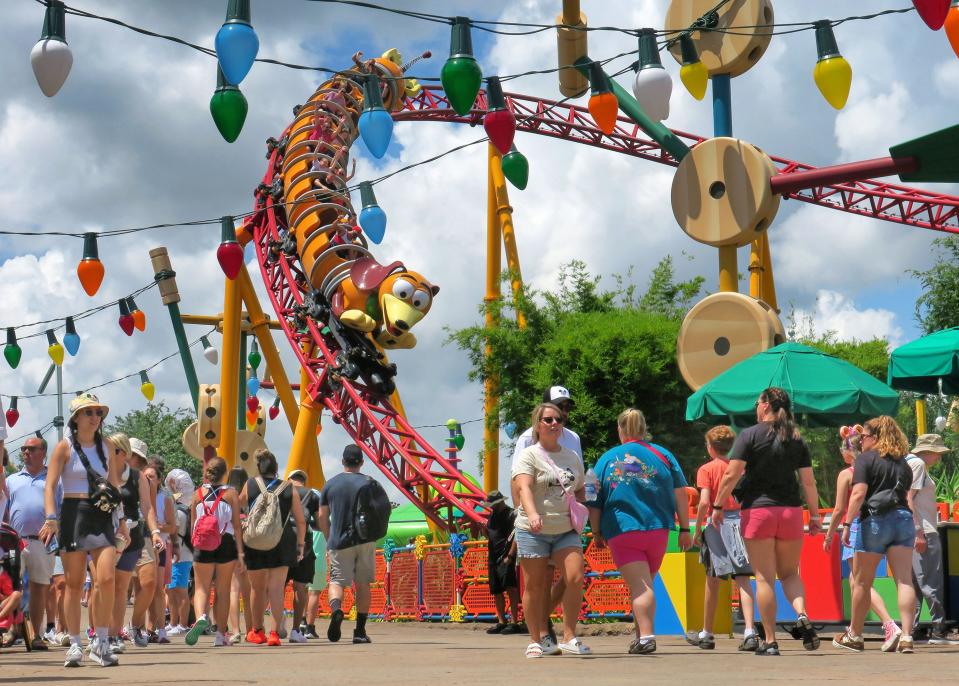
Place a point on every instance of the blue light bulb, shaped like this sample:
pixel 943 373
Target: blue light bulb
pixel 71 342
pixel 253 386
pixel 376 130
pixel 372 216
pixel 236 42
pixel 510 429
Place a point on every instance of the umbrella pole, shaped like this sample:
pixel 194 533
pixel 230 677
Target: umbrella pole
pixel 920 416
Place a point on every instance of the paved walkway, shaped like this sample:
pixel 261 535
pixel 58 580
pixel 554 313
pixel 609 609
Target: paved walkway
pixel 462 654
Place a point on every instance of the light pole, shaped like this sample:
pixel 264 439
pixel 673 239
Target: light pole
pixel 58 420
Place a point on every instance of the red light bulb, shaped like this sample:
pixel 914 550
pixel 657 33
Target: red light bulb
pixel 499 122
pixel 252 403
pixel 126 319
pixel 933 12
pixel 230 253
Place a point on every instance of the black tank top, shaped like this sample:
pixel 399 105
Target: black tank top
pixel 130 497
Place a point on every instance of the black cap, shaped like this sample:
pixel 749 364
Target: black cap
pixel 352 456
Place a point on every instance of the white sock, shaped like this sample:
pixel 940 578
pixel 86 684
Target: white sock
pixel 647 639
pixel 749 632
pixel 74 639
pixel 703 634
pixel 102 633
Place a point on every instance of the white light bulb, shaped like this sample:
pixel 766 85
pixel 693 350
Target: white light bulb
pixel 652 89
pixel 51 59
pixel 940 423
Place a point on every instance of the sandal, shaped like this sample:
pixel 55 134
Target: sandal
pixel 575 647
pixel 810 640
pixel 534 650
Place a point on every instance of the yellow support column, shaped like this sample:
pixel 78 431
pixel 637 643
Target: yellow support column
pixel 756 269
pixel 769 286
pixel 504 213
pixel 491 385
pixel 229 371
pixel 259 324
pixel 920 416
pixel 728 269
pixel 303 453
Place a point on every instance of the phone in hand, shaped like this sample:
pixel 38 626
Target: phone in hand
pixel 52 545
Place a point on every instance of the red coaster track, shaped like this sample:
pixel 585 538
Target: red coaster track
pixel 423 474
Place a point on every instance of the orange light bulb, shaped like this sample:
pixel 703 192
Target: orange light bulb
pixel 604 108
pixel 90 269
pixel 952 27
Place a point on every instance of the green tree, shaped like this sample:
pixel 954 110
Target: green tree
pixel 611 350
pixel 162 430
pixel 938 306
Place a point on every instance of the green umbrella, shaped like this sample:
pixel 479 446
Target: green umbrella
pixel 918 366
pixel 825 390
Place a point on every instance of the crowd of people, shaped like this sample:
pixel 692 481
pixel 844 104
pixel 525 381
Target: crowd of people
pixel 104 525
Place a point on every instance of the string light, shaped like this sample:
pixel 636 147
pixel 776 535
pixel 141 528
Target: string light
pixel 252 386
pixel 228 107
pixel 693 73
pixel 952 26
pixel 236 42
pixel 146 386
pixel 376 124
pixel 372 216
pixel 126 319
pixel 461 75
pixel 516 168
pixel 832 73
pixel 139 318
pixel 603 106
pixel 71 340
pixel 12 413
pixel 54 349
pixel 209 352
pixel 252 403
pixel 11 351
pixel 229 254
pixel 254 358
pixel 933 12
pixel 90 269
pixel 274 411
pixel 499 123
pixel 51 57
pixel 652 86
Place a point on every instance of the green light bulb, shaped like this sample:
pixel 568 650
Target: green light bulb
pixel 516 168
pixel 12 351
pixel 228 107
pixel 254 358
pixel 461 75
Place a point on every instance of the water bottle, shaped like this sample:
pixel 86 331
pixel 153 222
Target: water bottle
pixel 592 486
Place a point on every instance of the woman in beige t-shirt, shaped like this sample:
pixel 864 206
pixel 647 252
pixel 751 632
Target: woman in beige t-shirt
pixel 542 473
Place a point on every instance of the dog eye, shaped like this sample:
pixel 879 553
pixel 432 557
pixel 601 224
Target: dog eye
pixel 403 290
pixel 421 300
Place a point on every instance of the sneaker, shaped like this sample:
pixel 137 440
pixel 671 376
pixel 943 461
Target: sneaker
pixel 510 629
pixel 640 647
pixel 48 635
pixel 333 631
pixel 767 648
pixel 550 646
pixel 61 639
pixel 140 637
pixel 74 656
pixel 193 635
pixel 750 643
pixel 551 630
pixel 892 634
pixel 273 639
pixel 310 631
pixel 905 645
pixel 117 645
pixel 297 637
pixel 161 637
pixel 176 630
pixel 810 640
pixel 303 629
pixel 845 640
pixel 154 637
pixel 101 654
pixel 235 638
pixel 256 636
pixel 939 637
pixel 361 638
pixel 497 628
pixel 707 642
pixel 38 644
pixel 221 641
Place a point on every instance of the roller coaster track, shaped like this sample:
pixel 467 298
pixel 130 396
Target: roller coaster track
pixel 868 198
pixel 425 476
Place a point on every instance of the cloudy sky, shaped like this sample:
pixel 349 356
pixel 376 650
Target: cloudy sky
pixel 129 141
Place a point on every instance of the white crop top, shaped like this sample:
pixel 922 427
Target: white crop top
pixel 224 513
pixel 74 476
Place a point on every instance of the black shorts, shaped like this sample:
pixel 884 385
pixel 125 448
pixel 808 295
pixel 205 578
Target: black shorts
pixel 502 577
pixel 83 527
pixel 283 555
pixel 304 570
pixel 225 552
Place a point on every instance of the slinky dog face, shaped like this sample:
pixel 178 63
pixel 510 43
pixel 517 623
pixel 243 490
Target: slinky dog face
pixel 405 298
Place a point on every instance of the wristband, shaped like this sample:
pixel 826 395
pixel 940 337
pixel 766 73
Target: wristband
pixel 155 532
pixel 717 507
pixel 683 530
pixel 50 518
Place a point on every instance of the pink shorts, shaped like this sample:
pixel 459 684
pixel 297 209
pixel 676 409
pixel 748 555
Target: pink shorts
pixel 640 546
pixel 781 523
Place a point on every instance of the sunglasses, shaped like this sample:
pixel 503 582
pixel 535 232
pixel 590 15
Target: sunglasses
pixel 29 448
pixel 92 413
pixel 551 420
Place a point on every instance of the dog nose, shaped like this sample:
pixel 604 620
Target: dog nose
pixel 403 325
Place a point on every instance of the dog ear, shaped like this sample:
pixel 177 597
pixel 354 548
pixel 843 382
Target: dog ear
pixel 434 289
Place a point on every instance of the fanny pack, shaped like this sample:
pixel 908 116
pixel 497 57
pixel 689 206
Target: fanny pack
pixel 104 496
pixel 881 502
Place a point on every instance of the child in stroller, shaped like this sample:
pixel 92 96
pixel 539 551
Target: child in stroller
pixel 11 595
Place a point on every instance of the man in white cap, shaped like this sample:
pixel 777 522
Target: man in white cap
pixel 561 398
pixel 927 573
pixel 139 449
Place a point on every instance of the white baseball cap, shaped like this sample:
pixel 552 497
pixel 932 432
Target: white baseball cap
pixel 555 394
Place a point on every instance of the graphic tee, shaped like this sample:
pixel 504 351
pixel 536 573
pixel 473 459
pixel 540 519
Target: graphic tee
pixel 548 494
pixel 636 489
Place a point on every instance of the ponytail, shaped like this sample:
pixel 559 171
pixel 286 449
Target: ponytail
pixel 780 406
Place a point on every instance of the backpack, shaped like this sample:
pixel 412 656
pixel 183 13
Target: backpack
pixel 186 540
pixel 371 513
pixel 206 533
pixel 263 526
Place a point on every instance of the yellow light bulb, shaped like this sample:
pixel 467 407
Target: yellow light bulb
pixel 833 77
pixel 56 353
pixel 695 77
pixel 148 390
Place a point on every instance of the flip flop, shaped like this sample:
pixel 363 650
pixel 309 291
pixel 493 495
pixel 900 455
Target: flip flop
pixel 534 650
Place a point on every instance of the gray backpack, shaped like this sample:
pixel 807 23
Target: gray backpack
pixel 263 526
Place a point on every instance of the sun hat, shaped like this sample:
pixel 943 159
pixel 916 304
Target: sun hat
pixel 138 447
pixel 557 394
pixel 298 473
pixel 494 497
pixel 180 483
pixel 930 443
pixel 85 400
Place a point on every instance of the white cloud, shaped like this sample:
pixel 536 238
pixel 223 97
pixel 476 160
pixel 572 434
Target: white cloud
pixel 837 314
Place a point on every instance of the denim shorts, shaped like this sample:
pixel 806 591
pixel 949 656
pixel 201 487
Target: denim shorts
pixel 529 544
pixel 877 534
